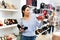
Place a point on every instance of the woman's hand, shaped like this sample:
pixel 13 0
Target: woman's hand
pixel 22 30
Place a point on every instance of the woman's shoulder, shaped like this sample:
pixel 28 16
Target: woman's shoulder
pixel 33 15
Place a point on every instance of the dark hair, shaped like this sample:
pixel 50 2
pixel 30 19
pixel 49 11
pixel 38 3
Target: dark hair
pixel 23 9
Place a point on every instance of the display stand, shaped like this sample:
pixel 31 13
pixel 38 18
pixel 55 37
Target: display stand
pixel 7 13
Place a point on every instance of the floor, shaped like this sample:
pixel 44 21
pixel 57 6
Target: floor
pixel 44 37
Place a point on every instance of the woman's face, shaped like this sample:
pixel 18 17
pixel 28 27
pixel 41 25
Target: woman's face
pixel 27 11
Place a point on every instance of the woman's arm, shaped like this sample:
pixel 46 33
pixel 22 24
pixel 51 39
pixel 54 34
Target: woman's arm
pixel 39 23
pixel 20 27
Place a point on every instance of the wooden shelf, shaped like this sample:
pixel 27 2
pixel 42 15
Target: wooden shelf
pixel 8 10
pixel 8 26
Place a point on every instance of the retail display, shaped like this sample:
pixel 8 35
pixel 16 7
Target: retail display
pixel 22 27
pixel 10 21
pixel 6 5
pixel 42 31
pixel 40 17
pixel 45 12
pixel 49 27
pixel 8 24
pixel 29 2
pixel 50 6
pixel 44 28
pixel 50 12
pixel 58 26
pixel 46 17
pixel 38 31
pixel 10 6
pixel 34 2
pixel 1 24
pixel 36 11
pixel 57 10
pixel 42 5
pixel 8 37
pixel 45 22
pixel 46 6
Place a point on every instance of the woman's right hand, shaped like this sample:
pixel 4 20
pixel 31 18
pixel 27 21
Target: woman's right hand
pixel 22 30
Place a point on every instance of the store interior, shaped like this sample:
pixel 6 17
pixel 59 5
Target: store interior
pixel 10 15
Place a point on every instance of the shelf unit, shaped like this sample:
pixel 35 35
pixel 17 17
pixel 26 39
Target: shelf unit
pixel 48 9
pixel 6 13
pixel 8 10
pixel 8 26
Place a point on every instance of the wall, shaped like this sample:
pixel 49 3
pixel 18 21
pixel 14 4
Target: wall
pixel 40 1
pixel 56 2
pixel 22 2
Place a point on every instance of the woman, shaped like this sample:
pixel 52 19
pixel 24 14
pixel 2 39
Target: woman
pixel 29 21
